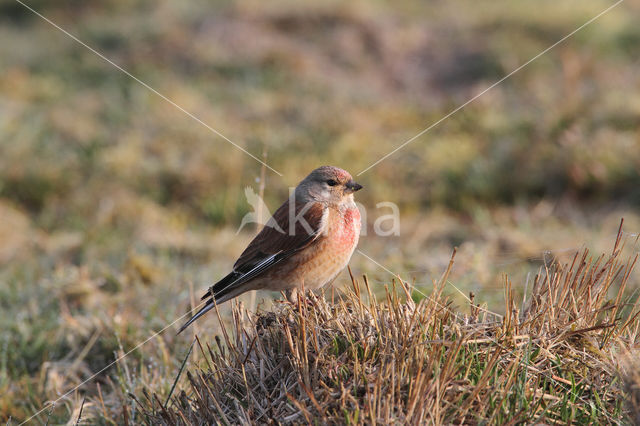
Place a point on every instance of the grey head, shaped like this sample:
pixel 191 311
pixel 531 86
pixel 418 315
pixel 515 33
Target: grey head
pixel 327 184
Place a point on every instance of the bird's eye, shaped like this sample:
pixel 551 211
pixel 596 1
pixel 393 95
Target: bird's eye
pixel 332 182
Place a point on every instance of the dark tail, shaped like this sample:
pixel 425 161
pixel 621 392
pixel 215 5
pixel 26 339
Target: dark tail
pixel 206 308
pixel 221 291
pixel 232 285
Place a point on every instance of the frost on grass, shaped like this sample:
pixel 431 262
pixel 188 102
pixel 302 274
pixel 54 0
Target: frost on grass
pixel 356 359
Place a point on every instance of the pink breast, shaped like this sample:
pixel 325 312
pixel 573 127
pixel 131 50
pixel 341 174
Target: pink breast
pixel 324 260
pixel 348 228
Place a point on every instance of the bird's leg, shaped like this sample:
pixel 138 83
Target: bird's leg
pixel 292 295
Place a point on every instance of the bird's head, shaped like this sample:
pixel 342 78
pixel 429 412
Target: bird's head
pixel 327 184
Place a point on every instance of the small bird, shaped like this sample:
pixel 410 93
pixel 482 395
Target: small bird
pixel 304 245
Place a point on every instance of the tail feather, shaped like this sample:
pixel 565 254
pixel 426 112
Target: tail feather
pixel 206 308
pixel 220 285
pixel 235 283
pixel 223 296
pixel 218 292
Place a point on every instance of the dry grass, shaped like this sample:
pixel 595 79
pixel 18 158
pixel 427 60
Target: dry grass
pixel 355 359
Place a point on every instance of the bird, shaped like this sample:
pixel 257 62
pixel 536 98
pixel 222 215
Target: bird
pixel 307 242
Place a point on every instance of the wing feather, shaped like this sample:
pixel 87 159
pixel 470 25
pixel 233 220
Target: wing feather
pixel 277 241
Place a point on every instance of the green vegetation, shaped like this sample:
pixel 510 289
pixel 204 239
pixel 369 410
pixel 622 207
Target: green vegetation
pixel 116 209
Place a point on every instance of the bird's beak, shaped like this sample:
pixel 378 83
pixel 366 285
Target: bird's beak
pixel 353 186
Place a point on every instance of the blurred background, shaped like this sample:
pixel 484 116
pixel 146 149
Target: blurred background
pixel 117 210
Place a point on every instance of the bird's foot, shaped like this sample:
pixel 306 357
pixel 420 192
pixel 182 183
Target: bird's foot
pixel 297 297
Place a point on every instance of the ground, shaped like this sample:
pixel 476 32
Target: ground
pixel 118 209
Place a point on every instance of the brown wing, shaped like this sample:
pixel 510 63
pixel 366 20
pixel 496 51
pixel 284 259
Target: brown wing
pixel 276 242
pixel 279 235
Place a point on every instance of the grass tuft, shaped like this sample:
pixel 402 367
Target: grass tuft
pixel 355 359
